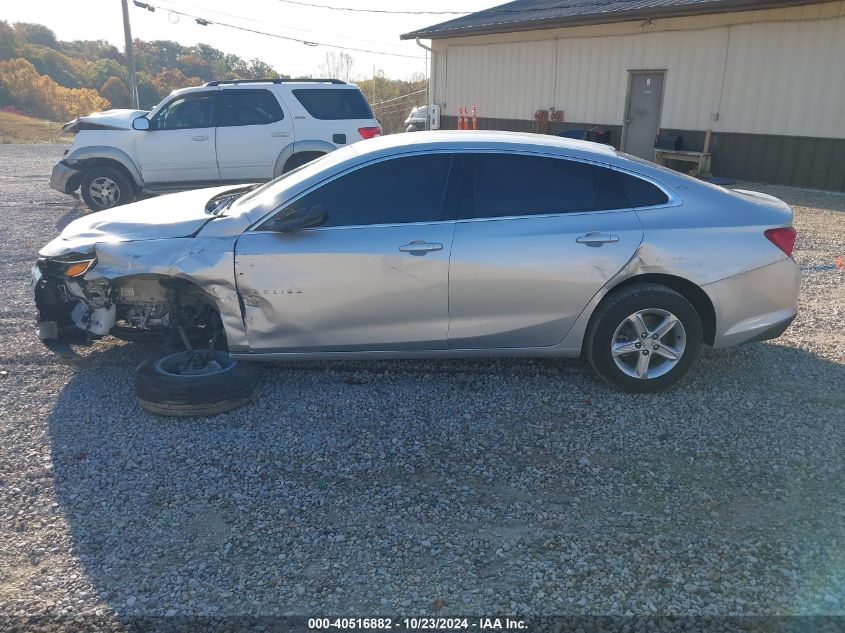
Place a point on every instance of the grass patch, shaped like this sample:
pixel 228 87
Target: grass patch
pixel 18 128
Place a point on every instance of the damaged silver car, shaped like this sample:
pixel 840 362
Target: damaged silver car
pixel 441 244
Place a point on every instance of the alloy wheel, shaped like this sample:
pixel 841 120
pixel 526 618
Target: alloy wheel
pixel 105 192
pixel 648 343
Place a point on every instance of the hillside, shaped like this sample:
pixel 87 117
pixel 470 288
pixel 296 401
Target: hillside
pixel 58 80
pixel 17 128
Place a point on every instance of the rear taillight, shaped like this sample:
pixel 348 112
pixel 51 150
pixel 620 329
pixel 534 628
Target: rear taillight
pixel 369 132
pixel 783 238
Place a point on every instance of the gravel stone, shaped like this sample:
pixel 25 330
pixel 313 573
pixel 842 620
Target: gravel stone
pixel 423 487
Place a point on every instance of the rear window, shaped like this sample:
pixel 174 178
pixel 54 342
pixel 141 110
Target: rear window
pixel 247 107
pixel 514 184
pixel 639 192
pixel 332 104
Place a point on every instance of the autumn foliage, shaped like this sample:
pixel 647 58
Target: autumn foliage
pixel 45 77
pixel 41 96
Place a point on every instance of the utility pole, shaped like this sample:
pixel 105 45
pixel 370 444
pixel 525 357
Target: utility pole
pixel 130 58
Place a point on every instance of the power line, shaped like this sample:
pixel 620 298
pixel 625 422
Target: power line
pixel 206 22
pixel 289 28
pixel 326 6
pixel 400 97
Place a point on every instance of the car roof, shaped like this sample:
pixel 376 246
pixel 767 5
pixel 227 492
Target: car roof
pixel 479 139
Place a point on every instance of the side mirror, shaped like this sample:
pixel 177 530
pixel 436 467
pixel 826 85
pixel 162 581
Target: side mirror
pixel 141 123
pixel 297 219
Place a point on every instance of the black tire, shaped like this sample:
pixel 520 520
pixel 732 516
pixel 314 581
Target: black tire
pixel 166 393
pixel 613 313
pixel 119 184
pixel 298 160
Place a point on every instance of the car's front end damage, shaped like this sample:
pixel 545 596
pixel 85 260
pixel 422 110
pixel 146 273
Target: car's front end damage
pixel 70 310
pixel 73 310
pixel 143 272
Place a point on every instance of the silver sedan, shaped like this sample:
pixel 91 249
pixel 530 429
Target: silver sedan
pixel 436 244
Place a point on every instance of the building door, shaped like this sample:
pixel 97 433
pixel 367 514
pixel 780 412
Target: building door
pixel 642 114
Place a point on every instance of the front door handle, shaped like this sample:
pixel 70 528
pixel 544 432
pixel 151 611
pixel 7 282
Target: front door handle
pixel 201 137
pixel 418 247
pixel 596 238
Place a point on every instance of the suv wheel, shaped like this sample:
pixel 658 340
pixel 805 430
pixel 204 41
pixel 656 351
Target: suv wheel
pixel 643 338
pixel 106 187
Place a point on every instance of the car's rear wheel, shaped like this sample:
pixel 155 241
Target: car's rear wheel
pixel 193 384
pixel 106 187
pixel 643 338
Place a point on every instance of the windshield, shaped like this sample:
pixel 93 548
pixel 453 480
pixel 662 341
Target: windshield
pixel 266 194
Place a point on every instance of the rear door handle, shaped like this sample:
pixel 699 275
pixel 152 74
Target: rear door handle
pixel 418 247
pixel 596 238
pixel 280 134
pixel 201 137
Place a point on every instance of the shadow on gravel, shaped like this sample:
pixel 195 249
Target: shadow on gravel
pixel 77 210
pixel 387 486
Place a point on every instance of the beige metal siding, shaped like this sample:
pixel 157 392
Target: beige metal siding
pixel 776 71
pixel 517 77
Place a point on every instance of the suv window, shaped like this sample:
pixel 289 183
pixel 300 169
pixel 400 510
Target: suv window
pixel 399 190
pixel 248 107
pixel 186 112
pixel 332 104
pixel 639 192
pixel 514 184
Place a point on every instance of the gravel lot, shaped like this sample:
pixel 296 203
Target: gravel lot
pixel 453 487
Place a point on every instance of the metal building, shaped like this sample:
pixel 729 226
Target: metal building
pixel 767 77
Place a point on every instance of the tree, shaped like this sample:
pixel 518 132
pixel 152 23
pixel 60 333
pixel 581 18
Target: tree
pixel 338 66
pixel 37 34
pixel 116 91
pixel 8 47
pixel 169 80
pixel 193 65
pixel 261 70
pixel 148 94
pixel 41 96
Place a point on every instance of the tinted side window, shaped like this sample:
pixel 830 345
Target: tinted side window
pixel 248 107
pixel 190 111
pixel 334 103
pixel 409 189
pixel 639 192
pixel 511 184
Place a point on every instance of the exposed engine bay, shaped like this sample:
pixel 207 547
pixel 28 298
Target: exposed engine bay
pixel 138 308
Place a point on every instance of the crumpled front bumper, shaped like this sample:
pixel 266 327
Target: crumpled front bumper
pixel 65 178
pixel 64 314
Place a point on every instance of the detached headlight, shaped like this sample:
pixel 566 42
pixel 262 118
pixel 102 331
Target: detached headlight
pixel 70 267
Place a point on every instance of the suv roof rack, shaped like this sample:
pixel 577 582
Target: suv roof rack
pixel 273 81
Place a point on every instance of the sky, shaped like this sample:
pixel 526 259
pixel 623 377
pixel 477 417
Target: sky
pixel 102 20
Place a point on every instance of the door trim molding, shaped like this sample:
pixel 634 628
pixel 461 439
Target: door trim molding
pixel 631 73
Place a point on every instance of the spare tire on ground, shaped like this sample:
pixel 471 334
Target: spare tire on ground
pixel 194 384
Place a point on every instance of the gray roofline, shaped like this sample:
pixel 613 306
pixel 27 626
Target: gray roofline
pixel 718 6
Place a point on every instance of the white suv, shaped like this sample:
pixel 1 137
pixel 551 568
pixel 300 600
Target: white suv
pixel 222 132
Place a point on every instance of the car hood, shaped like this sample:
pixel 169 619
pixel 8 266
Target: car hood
pixel 108 120
pixel 171 216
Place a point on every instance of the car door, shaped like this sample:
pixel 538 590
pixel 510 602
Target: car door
pixel 178 148
pixel 541 236
pixel 373 276
pixel 252 130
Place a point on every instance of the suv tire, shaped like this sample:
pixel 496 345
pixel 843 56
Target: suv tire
pixel 106 187
pixel 298 160
pixel 164 387
pixel 643 338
